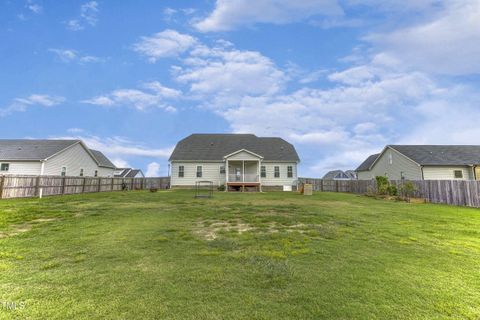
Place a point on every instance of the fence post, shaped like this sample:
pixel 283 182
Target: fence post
pixel 99 184
pixel 63 185
pixel 2 182
pixel 321 185
pixel 133 183
pixel 336 185
pixel 38 187
pixel 83 184
pixel 111 185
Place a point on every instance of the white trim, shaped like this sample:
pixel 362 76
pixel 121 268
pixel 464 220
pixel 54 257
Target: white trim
pixel 243 150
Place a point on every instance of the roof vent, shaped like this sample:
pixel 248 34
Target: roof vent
pixel 211 143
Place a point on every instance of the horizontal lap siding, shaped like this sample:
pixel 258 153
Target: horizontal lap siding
pixel 105 172
pixel 399 164
pixel 446 173
pixel 210 172
pixel 270 180
pixel 22 167
pixel 74 159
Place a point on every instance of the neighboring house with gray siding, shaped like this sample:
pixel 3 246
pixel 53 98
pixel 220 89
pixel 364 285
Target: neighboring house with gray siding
pixel 52 157
pixel 423 162
pixel 234 160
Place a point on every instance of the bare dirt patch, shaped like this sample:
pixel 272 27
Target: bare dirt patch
pixel 211 231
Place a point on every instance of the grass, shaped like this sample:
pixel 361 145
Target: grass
pixel 140 255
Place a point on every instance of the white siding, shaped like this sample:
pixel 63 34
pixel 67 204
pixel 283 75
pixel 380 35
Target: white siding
pixel 270 180
pixel 210 172
pixel 22 168
pixel 446 173
pixel 399 163
pixel 105 172
pixel 74 158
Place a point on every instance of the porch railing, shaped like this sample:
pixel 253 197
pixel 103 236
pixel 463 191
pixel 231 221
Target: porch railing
pixel 243 178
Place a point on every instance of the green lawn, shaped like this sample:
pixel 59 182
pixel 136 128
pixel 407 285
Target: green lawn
pixel 141 255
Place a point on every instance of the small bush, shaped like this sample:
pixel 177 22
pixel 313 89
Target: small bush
pixel 392 190
pixel 408 189
pixel 221 188
pixel 382 185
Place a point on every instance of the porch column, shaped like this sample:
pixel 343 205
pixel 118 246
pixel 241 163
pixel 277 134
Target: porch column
pixel 259 176
pixel 243 170
pixel 227 172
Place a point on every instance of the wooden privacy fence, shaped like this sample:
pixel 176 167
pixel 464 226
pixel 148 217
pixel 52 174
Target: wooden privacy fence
pixel 16 186
pixel 455 192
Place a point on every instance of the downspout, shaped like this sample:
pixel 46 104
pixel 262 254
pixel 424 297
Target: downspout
pixel 421 169
pixel 42 169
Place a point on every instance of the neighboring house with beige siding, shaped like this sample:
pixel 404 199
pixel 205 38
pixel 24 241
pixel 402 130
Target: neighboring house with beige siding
pixel 52 157
pixel 423 162
pixel 236 161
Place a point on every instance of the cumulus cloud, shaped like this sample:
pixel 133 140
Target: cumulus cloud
pixel 88 17
pixel 168 43
pixel 22 104
pixel 227 74
pixel 447 43
pixel 152 94
pixel 153 169
pixel 34 7
pixel 231 14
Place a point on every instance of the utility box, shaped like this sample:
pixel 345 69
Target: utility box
pixel 307 189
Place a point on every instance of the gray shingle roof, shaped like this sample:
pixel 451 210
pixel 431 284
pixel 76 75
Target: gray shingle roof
pixel 437 155
pixel 215 146
pixel 102 160
pixel 133 173
pixel 32 150
pixel 365 165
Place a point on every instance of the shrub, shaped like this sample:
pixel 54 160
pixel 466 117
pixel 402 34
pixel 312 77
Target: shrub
pixel 408 189
pixel 221 188
pixel 392 190
pixel 382 184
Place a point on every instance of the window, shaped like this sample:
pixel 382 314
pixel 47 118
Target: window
pixel 63 173
pixel 263 172
pixel 290 172
pixel 402 175
pixel 390 158
pixel 222 169
pixel 458 174
pixel 276 172
pixel 181 171
pixel 95 173
pixel 81 172
pixel 4 166
pixel 199 171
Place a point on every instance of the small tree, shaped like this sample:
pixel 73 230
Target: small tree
pixel 408 190
pixel 382 184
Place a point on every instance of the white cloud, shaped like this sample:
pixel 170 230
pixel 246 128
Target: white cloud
pixel 168 43
pixel 447 43
pixel 120 163
pixel 120 147
pixel 70 55
pixel 88 16
pixel 34 7
pixel 231 14
pixel 227 74
pixel 153 169
pixel 22 104
pixel 156 96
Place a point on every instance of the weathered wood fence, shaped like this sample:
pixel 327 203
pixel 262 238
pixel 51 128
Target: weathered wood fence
pixel 455 192
pixel 16 186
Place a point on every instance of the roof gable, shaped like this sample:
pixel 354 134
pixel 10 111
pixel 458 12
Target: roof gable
pixel 214 147
pixel 101 159
pixel 437 155
pixel 367 163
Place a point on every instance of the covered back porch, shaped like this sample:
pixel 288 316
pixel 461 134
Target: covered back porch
pixel 243 171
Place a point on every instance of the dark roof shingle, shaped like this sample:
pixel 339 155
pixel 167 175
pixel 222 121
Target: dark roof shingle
pixel 32 150
pixel 437 155
pixel 365 165
pixel 102 160
pixel 215 146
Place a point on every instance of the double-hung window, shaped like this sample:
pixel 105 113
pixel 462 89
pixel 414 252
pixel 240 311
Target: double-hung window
pixel 290 172
pixel 276 172
pixel 199 171
pixel 181 171
pixel 263 172
pixel 4 166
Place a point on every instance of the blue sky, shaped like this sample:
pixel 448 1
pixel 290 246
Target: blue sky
pixel 337 78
